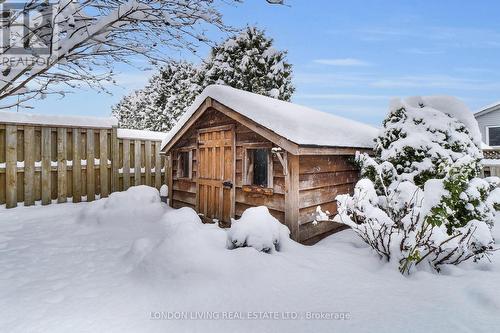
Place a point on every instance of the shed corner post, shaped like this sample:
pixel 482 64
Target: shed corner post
pixel 169 178
pixel 292 196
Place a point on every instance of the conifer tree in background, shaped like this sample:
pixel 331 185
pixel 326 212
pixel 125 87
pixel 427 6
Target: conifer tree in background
pixel 160 103
pixel 128 110
pixel 246 61
pixel 250 62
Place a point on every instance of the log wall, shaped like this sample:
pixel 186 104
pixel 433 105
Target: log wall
pixel 51 164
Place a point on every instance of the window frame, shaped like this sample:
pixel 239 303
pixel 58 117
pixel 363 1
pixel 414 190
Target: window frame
pixel 179 171
pixel 488 134
pixel 245 165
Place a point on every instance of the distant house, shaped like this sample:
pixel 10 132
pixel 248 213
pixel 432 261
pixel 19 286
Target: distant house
pixel 234 149
pixel 488 120
pixel 489 124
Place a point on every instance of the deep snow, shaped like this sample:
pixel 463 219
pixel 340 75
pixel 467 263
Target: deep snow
pixel 105 266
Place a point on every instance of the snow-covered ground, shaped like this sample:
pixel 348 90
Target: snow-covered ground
pixel 129 263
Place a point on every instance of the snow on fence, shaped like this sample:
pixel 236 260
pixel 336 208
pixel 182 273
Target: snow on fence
pixel 51 159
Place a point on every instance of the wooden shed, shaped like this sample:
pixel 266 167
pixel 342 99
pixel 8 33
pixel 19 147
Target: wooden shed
pixel 233 150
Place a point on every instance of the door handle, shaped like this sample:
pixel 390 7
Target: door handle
pixel 228 183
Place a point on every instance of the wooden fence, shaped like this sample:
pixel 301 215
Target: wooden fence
pixel 53 163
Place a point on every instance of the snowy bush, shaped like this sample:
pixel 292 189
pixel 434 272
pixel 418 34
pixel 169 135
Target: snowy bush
pixel 257 228
pixel 421 200
pixel 141 203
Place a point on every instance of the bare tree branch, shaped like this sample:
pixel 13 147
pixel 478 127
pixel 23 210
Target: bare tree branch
pixel 85 39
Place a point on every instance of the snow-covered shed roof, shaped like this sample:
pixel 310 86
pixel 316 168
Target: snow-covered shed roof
pixel 296 123
pixel 488 108
pixel 56 120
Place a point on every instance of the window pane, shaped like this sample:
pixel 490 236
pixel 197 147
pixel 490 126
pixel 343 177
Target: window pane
pixel 494 136
pixel 184 157
pixel 260 167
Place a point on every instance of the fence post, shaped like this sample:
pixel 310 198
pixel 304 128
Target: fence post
pixel 77 166
pixel 115 159
pixel 29 165
pixel 137 162
pixel 147 162
pixel 11 165
pixel 126 164
pixel 90 165
pixel 103 164
pixel 46 166
pixel 62 184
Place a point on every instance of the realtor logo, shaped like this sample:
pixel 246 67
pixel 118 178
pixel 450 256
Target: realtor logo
pixel 29 36
pixel 27 28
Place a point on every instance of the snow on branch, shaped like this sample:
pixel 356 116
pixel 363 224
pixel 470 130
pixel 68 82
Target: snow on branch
pixel 73 44
pixel 421 202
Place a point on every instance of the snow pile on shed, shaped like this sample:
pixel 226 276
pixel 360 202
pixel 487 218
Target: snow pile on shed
pixel 297 123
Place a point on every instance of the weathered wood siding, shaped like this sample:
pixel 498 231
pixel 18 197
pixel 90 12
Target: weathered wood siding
pixel 321 179
pixel 184 190
pixel 46 163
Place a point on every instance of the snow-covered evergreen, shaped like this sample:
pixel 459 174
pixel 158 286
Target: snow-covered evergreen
pixel 247 61
pixel 422 200
pixel 159 104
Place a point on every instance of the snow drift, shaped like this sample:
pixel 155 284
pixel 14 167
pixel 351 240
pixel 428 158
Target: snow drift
pixel 138 203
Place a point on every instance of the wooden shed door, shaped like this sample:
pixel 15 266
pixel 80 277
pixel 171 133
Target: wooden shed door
pixel 215 185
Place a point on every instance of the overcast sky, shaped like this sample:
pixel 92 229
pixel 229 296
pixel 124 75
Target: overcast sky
pixel 351 57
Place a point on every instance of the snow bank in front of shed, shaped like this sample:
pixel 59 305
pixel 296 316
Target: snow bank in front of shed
pixel 188 247
pixel 138 203
pixel 60 276
pixel 257 228
pixel 297 123
pixel 192 248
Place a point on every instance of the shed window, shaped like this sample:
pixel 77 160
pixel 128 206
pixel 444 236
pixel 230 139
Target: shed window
pixel 258 167
pixel 184 163
pixel 494 136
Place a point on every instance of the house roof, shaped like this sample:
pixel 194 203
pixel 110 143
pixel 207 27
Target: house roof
pixel 487 109
pixel 296 123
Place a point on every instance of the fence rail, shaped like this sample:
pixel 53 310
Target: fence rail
pixel 50 163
